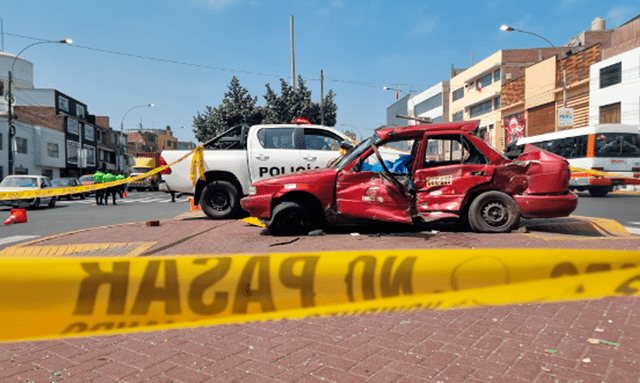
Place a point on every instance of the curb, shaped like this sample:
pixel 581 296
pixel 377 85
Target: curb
pixel 579 225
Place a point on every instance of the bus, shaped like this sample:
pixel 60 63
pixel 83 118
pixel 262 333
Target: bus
pixel 610 148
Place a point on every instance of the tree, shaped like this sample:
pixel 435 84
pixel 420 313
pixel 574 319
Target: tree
pixel 293 103
pixel 237 107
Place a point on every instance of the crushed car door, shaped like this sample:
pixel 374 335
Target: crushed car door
pixel 378 187
pixel 452 167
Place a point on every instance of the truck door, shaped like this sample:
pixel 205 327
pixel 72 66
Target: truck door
pixel 451 167
pixel 371 192
pixel 273 151
pixel 319 146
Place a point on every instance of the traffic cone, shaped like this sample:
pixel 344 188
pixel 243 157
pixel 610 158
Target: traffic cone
pixel 193 206
pixel 17 216
pixel 124 194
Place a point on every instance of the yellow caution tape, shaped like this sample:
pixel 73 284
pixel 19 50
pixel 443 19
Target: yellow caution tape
pixel 52 298
pixel 83 189
pixel 599 173
pixel 197 165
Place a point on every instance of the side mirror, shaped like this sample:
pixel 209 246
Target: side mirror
pixel 347 145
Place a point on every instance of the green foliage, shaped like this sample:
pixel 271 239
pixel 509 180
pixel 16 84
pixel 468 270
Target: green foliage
pixel 239 107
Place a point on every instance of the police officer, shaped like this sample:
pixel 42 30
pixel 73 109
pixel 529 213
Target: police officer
pixel 120 187
pixel 98 178
pixel 110 190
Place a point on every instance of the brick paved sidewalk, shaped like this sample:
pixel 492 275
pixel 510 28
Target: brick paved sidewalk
pixel 498 344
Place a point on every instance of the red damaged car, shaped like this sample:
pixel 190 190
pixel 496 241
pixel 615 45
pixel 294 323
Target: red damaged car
pixel 418 174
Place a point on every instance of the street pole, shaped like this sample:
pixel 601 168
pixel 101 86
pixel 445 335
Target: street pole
pixel 120 145
pixel 12 129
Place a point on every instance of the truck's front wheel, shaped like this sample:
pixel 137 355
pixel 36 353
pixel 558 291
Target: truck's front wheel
pixel 220 200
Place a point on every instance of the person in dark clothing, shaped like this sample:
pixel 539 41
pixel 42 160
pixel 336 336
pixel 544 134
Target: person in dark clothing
pixel 98 177
pixel 120 187
pixel 112 190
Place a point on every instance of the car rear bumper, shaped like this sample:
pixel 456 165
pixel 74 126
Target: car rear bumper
pixel 546 206
pixel 258 206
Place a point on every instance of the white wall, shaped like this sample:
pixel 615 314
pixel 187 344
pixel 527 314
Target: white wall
pixel 627 92
pixel 440 88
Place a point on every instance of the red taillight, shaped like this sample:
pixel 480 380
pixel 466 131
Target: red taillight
pixel 163 163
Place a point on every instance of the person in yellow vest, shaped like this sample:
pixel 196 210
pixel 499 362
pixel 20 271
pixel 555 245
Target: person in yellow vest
pixel 113 190
pixel 98 178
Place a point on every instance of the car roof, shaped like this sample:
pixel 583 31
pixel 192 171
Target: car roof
pixel 410 130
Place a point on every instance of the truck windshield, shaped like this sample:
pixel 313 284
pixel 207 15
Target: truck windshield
pixel 141 170
pixel 357 151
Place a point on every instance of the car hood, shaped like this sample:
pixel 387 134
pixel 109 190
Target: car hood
pixel 13 189
pixel 307 176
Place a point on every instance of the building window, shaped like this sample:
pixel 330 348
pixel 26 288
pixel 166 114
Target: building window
pixel 21 145
pixel 72 152
pixel 457 94
pixel 496 75
pixel 63 104
pixel 72 126
pixel 496 103
pixel 458 116
pixel 1 173
pixel 91 155
pixel 484 81
pixel 52 150
pixel 0 146
pixel 611 75
pixel 428 104
pixel 99 135
pixel 80 111
pixel 481 109
pixel 88 132
pixel 610 114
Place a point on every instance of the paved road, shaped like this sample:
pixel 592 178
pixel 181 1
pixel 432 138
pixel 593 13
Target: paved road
pixel 79 214
pixel 622 207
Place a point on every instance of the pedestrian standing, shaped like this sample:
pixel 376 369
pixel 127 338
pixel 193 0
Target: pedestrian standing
pixel 120 187
pixel 98 178
pixel 111 190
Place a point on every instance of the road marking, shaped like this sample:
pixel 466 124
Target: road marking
pixel 635 223
pixel 16 238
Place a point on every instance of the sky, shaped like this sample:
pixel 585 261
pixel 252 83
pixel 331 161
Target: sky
pixel 182 55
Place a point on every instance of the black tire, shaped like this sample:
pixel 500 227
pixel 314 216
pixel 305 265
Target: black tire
pixel 36 204
pixel 82 196
pixel 289 218
pixel 52 203
pixel 599 191
pixel 494 212
pixel 220 200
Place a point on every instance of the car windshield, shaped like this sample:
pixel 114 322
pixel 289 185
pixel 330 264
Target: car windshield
pixel 86 178
pixel 140 170
pixel 62 182
pixel 357 151
pixel 24 182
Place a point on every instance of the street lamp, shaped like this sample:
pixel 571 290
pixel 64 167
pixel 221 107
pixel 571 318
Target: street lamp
pixel 507 28
pixel 121 146
pixel 397 91
pixel 12 129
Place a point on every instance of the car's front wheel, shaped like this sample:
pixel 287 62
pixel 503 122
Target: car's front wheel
pixel 289 218
pixel 220 200
pixel 494 212
pixel 36 204
pixel 52 203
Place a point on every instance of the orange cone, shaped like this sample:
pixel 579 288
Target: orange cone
pixel 17 216
pixel 124 194
pixel 193 206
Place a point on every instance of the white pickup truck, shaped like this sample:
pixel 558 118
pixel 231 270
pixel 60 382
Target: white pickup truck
pixel 245 154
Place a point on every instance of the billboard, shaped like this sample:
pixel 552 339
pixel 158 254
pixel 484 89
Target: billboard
pixel 513 127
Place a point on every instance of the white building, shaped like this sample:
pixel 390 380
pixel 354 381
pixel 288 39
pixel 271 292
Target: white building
pixel 614 89
pixel 432 103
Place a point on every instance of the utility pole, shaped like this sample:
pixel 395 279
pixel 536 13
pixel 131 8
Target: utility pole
pixel 321 97
pixel 12 129
pixel 293 59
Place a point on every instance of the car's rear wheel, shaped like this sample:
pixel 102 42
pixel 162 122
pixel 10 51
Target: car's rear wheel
pixel 220 200
pixel 289 218
pixel 36 204
pixel 494 212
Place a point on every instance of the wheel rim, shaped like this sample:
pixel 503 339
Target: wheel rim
pixel 291 222
pixel 495 214
pixel 220 201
